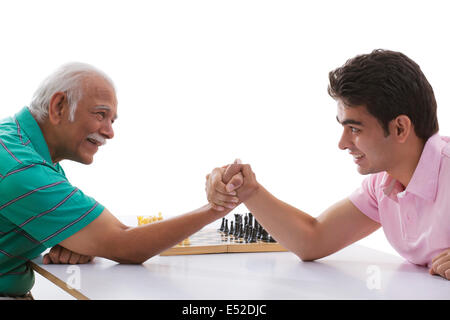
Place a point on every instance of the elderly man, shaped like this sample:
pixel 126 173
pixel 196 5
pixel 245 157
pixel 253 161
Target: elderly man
pixel 388 112
pixel 70 117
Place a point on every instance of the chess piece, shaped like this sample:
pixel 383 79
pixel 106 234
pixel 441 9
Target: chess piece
pixel 257 228
pixel 238 219
pixel 253 237
pixel 236 228
pixel 241 231
pixel 231 229
pixel 222 226
pixel 226 230
pixel 249 233
pixel 250 219
pixel 265 236
pixel 261 232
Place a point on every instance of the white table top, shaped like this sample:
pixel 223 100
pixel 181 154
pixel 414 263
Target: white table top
pixel 355 272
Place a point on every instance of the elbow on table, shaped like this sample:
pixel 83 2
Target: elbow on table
pixel 126 260
pixel 308 253
pixel 307 258
pixel 131 258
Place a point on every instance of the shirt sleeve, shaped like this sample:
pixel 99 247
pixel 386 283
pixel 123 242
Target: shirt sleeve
pixel 41 201
pixel 364 198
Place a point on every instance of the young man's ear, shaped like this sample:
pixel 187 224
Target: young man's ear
pixel 58 108
pixel 401 127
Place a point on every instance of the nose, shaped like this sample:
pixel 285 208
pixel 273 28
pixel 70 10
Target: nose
pixel 107 130
pixel 344 142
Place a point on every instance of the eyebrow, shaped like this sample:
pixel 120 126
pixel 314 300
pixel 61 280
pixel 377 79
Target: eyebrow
pixel 105 108
pixel 349 121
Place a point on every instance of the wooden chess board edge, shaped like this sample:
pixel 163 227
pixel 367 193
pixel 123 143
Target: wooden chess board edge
pixel 225 248
pixel 256 247
pixel 184 250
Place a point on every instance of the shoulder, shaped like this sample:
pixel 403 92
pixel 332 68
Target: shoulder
pixel 15 149
pixel 27 176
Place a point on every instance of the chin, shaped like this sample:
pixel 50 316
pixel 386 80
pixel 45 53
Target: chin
pixel 88 161
pixel 84 159
pixel 366 171
pixel 362 172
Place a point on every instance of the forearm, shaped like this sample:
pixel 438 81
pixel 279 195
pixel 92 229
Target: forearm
pixel 292 228
pixel 138 244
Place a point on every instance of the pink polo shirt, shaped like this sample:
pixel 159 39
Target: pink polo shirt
pixel 416 221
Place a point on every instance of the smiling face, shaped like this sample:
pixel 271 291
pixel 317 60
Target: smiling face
pixel 365 140
pixel 92 125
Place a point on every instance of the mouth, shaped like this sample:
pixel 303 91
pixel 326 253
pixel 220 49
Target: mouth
pixel 357 158
pixel 96 139
pixel 94 142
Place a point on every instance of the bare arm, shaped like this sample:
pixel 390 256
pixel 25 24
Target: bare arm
pixel 308 237
pixel 107 237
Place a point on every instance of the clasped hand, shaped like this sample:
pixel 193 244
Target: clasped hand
pixel 230 185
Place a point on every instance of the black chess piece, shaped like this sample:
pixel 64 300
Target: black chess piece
pixel 253 237
pixel 250 219
pixel 246 221
pixel 261 232
pixel 226 230
pixel 241 231
pixel 238 219
pixel 236 229
pixel 231 229
pixel 222 226
pixel 250 233
pixel 265 236
pixel 257 228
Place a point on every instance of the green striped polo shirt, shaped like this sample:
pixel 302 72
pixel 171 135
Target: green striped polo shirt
pixel 38 206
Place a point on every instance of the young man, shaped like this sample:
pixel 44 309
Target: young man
pixel 388 112
pixel 70 117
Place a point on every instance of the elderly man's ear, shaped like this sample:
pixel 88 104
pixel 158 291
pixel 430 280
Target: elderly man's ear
pixel 58 108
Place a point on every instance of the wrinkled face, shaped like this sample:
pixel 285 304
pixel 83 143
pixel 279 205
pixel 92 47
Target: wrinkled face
pixel 364 138
pixel 94 116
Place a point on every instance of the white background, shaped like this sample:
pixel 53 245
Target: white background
pixel 200 83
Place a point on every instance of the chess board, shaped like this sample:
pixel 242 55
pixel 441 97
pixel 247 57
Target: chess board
pixel 214 241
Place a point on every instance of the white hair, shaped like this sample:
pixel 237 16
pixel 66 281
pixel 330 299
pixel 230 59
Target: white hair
pixel 68 79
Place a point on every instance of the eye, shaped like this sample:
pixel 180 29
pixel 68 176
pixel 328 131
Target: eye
pixel 355 130
pixel 100 115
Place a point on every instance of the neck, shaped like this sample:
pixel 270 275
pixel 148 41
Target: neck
pixel 408 160
pixel 51 139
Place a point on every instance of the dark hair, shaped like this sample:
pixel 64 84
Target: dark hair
pixel 389 84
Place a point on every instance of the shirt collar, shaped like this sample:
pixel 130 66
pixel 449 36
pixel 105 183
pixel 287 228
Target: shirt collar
pixel 29 125
pixel 424 181
pixel 390 186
